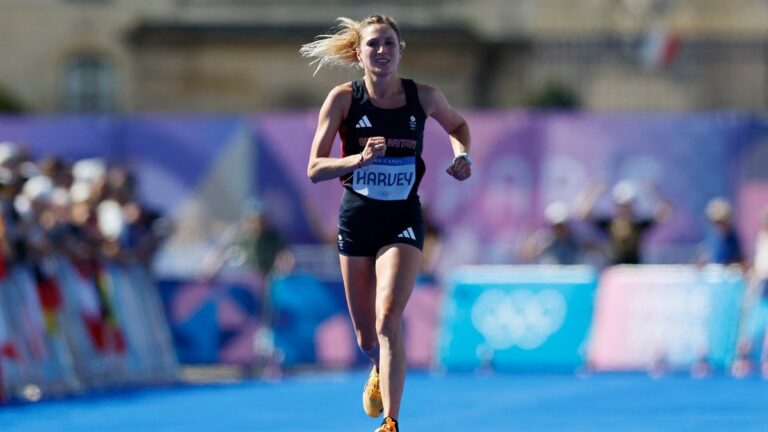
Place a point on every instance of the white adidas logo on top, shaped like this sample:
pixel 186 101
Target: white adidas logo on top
pixel 408 233
pixel 364 123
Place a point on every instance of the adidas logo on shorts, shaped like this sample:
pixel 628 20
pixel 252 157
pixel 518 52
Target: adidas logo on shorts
pixel 408 233
pixel 364 123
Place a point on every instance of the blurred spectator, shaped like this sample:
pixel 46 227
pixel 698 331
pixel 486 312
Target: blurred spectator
pixel 624 228
pixel 120 185
pixel 722 244
pixel 753 335
pixel 52 213
pixel 78 235
pixel 760 290
pixel 146 229
pixel 13 239
pixel 111 225
pixel 761 257
pixel 89 171
pixel 83 211
pixel 58 171
pixel 252 243
pixel 33 205
pixel 556 243
pixel 261 242
pixel 10 155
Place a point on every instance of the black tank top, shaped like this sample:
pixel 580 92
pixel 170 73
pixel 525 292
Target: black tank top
pixel 396 175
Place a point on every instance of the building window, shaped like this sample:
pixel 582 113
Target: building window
pixel 89 85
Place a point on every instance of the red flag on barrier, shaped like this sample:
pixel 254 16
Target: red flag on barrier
pixel 48 291
pixel 7 347
pixel 8 350
pixel 3 267
pixel 50 297
pixel 97 310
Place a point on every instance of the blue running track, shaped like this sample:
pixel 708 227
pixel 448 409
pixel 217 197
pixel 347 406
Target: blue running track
pixel 448 403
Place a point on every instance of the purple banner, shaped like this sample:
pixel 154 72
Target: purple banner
pixel 201 170
pixel 525 161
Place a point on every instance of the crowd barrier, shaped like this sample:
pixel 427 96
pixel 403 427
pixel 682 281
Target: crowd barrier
pixel 753 331
pixel 506 318
pixel 220 321
pixel 672 316
pixel 69 327
pixel 296 320
pixel 312 325
pixel 502 317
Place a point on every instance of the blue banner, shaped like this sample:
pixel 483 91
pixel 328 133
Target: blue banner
pixel 517 317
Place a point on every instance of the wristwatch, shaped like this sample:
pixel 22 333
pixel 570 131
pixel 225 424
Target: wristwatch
pixel 464 156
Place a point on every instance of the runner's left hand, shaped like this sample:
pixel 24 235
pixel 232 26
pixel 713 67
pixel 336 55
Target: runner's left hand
pixel 460 170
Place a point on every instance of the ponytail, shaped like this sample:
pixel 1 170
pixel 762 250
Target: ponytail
pixel 340 48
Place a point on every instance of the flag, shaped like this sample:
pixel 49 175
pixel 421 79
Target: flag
pixel 96 308
pixel 659 48
pixel 7 346
pixel 50 297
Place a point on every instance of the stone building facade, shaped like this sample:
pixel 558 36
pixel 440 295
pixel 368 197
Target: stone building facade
pixel 127 56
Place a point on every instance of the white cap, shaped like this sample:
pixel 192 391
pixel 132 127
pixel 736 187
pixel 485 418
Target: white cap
pixel 29 170
pixel 8 151
pixel 38 188
pixel 89 170
pixel 624 192
pixel 110 219
pixel 557 213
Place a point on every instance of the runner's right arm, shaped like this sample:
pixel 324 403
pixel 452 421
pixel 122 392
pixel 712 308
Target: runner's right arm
pixel 323 167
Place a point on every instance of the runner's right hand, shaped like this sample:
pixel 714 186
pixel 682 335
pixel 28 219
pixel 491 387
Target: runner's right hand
pixel 374 147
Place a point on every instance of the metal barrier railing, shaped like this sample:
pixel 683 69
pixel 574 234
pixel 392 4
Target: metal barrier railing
pixel 69 327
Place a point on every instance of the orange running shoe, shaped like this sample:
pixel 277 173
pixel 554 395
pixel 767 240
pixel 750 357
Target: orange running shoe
pixel 372 403
pixel 388 425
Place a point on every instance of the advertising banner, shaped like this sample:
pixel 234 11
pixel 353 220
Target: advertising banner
pixel 516 317
pixel 666 316
pixel 311 323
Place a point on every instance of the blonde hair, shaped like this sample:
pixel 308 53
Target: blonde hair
pixel 340 48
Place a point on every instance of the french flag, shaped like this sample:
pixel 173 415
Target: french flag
pixel 659 48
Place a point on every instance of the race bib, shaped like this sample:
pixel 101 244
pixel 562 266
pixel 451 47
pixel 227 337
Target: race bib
pixel 386 179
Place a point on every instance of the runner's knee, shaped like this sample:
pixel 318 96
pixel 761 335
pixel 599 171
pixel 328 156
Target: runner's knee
pixel 367 343
pixel 388 323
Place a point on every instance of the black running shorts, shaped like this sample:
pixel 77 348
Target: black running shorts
pixel 367 225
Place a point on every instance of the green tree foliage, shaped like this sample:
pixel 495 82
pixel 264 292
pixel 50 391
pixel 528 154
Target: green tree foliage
pixel 9 103
pixel 554 95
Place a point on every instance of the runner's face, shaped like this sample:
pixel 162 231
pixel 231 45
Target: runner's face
pixel 379 50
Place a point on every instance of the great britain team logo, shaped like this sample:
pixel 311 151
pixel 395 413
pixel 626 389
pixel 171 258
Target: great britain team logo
pixel 413 123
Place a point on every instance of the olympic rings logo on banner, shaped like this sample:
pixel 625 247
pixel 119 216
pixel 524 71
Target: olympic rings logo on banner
pixel 518 318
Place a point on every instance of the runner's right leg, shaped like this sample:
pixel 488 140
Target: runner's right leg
pixel 360 289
